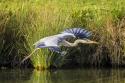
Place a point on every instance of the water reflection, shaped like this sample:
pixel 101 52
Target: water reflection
pixel 15 76
pixel 63 76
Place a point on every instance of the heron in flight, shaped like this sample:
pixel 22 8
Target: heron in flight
pixel 55 42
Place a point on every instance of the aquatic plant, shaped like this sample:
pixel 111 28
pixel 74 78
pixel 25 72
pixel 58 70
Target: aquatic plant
pixel 22 23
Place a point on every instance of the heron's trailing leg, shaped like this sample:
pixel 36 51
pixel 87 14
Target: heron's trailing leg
pixel 29 56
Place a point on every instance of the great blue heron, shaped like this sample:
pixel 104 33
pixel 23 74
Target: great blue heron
pixel 56 41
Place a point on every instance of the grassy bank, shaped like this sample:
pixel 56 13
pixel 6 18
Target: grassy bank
pixel 22 23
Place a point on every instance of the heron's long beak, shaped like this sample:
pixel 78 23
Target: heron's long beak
pixel 91 42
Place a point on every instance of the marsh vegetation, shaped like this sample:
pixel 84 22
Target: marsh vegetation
pixel 23 22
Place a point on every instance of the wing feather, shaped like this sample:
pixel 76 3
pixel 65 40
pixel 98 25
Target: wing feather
pixel 79 32
pixel 55 49
pixel 51 42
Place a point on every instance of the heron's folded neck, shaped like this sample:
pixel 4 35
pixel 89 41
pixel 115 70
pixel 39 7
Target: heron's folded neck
pixel 83 41
pixel 68 44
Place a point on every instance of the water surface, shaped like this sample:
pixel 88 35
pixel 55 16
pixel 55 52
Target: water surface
pixel 63 76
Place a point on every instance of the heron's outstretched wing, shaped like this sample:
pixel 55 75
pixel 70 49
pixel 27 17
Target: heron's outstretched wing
pixel 51 42
pixel 78 32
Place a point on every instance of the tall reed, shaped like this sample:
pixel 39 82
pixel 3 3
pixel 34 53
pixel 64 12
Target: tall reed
pixel 22 23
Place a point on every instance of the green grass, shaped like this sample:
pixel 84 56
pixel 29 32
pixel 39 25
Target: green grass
pixel 26 21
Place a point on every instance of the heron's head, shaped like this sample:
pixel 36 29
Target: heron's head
pixel 90 41
pixel 93 42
